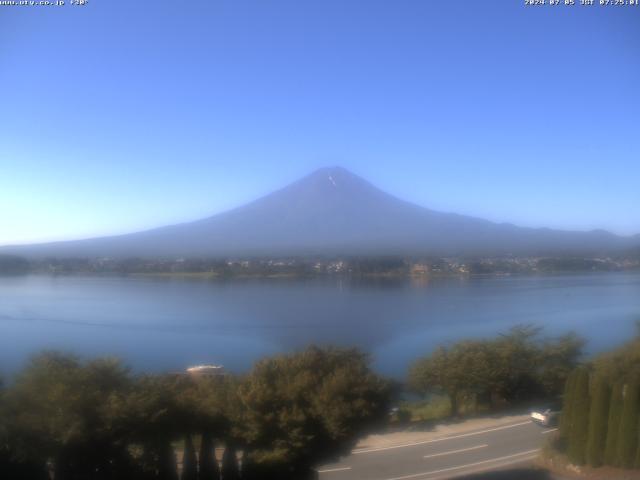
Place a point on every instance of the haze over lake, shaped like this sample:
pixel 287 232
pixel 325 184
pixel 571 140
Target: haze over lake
pixel 158 324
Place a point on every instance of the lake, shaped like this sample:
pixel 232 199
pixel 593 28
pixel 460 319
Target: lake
pixel 158 324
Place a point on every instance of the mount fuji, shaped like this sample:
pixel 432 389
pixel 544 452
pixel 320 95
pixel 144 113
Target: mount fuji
pixel 332 212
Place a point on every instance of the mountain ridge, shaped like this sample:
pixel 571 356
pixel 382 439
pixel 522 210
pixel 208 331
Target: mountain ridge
pixel 333 211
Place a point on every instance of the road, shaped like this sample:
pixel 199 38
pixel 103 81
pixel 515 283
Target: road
pixel 455 455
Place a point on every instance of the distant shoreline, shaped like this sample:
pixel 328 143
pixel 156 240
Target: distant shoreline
pixel 371 267
pixel 211 276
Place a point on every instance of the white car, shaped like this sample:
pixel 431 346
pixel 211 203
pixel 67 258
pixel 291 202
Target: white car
pixel 546 416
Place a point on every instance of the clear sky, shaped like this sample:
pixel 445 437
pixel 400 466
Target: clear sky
pixel 124 115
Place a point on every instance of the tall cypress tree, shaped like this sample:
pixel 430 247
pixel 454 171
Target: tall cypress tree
pixel 230 469
pixel 579 418
pixel 567 406
pixel 598 417
pixel 189 461
pixel 628 431
pixel 167 468
pixel 613 424
pixel 209 469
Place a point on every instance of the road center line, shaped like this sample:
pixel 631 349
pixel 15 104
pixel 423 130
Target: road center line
pixel 453 437
pixel 488 467
pixel 460 467
pixel 456 451
pixel 329 470
pixel 549 431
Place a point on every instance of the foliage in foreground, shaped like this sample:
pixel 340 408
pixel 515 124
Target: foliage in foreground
pixel 598 417
pixel 515 367
pixel 607 393
pixel 579 420
pixel 95 420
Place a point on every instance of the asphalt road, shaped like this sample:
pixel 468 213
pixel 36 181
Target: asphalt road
pixel 447 457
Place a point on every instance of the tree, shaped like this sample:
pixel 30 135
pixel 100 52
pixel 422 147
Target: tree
pixel 557 359
pixel 309 407
pixel 515 367
pixel 189 460
pixel 230 469
pixel 158 412
pixel 13 465
pixel 461 371
pixel 63 410
pixel 166 462
pixel 622 363
pixel 567 406
pixel 209 469
pixel 598 417
pixel 579 418
pixel 613 424
pixel 628 431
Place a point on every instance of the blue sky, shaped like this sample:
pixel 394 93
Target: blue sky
pixel 120 116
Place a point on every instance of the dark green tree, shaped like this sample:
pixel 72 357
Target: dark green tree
pixel 628 431
pixel 518 366
pixel 613 424
pixel 558 357
pixel 166 461
pixel 622 363
pixel 598 417
pixel 462 372
pixel 159 411
pixel 567 406
pixel 517 363
pixel 13 465
pixel 579 418
pixel 309 407
pixel 64 411
pixel 230 470
pixel 209 469
pixel 189 460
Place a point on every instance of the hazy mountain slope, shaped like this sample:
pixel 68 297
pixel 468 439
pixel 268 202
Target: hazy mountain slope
pixel 333 211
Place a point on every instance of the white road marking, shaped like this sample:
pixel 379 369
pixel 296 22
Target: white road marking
pixel 456 451
pixel 329 470
pixel 461 467
pixel 549 431
pixel 369 450
pixel 488 468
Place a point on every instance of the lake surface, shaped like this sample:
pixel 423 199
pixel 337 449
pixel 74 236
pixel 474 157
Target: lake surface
pixel 161 324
